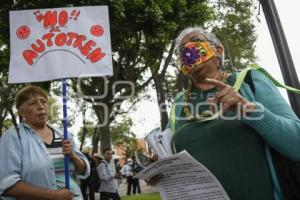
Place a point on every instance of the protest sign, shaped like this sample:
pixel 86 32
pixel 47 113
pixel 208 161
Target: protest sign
pixel 49 44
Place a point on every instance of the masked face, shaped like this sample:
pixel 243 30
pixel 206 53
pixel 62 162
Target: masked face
pixel 193 54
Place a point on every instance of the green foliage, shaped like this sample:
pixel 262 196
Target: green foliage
pixel 120 129
pixel 54 109
pixel 122 135
pixel 7 123
pixel 234 25
pixel 141 33
pixel 89 128
pixel 6 102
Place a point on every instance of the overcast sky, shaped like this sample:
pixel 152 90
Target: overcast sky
pixel 288 11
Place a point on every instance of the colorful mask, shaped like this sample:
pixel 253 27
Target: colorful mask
pixel 193 54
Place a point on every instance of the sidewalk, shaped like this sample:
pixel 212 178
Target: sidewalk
pixel 123 188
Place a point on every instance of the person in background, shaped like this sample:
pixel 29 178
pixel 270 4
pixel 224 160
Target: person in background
pixel 122 171
pixel 84 183
pixel 118 169
pixel 97 158
pixel 90 185
pixel 32 154
pixel 136 168
pixel 94 182
pixel 127 172
pixel 108 187
pixel 117 165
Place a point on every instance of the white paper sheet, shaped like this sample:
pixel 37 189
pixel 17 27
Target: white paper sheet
pixel 184 178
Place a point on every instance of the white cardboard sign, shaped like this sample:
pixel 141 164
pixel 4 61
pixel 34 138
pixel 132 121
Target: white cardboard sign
pixel 49 44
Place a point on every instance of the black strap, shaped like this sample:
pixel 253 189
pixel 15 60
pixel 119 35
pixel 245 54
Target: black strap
pixel 288 172
pixel 18 131
pixel 106 164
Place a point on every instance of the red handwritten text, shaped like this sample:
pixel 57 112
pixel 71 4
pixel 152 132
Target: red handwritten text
pixel 87 47
pixel 53 19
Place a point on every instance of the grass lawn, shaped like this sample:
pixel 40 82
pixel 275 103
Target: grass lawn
pixel 151 196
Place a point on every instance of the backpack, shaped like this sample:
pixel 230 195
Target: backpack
pixel 288 171
pixel 94 181
pixel 136 168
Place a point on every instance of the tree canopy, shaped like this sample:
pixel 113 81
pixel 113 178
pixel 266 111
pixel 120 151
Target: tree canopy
pixel 142 36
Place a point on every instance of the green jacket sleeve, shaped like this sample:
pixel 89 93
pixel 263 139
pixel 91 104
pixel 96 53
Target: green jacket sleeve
pixel 274 119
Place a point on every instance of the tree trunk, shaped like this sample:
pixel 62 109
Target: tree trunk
pixel 96 138
pixel 84 129
pixel 159 87
pixel 82 139
pixel 101 134
pixel 105 141
pixel 161 101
